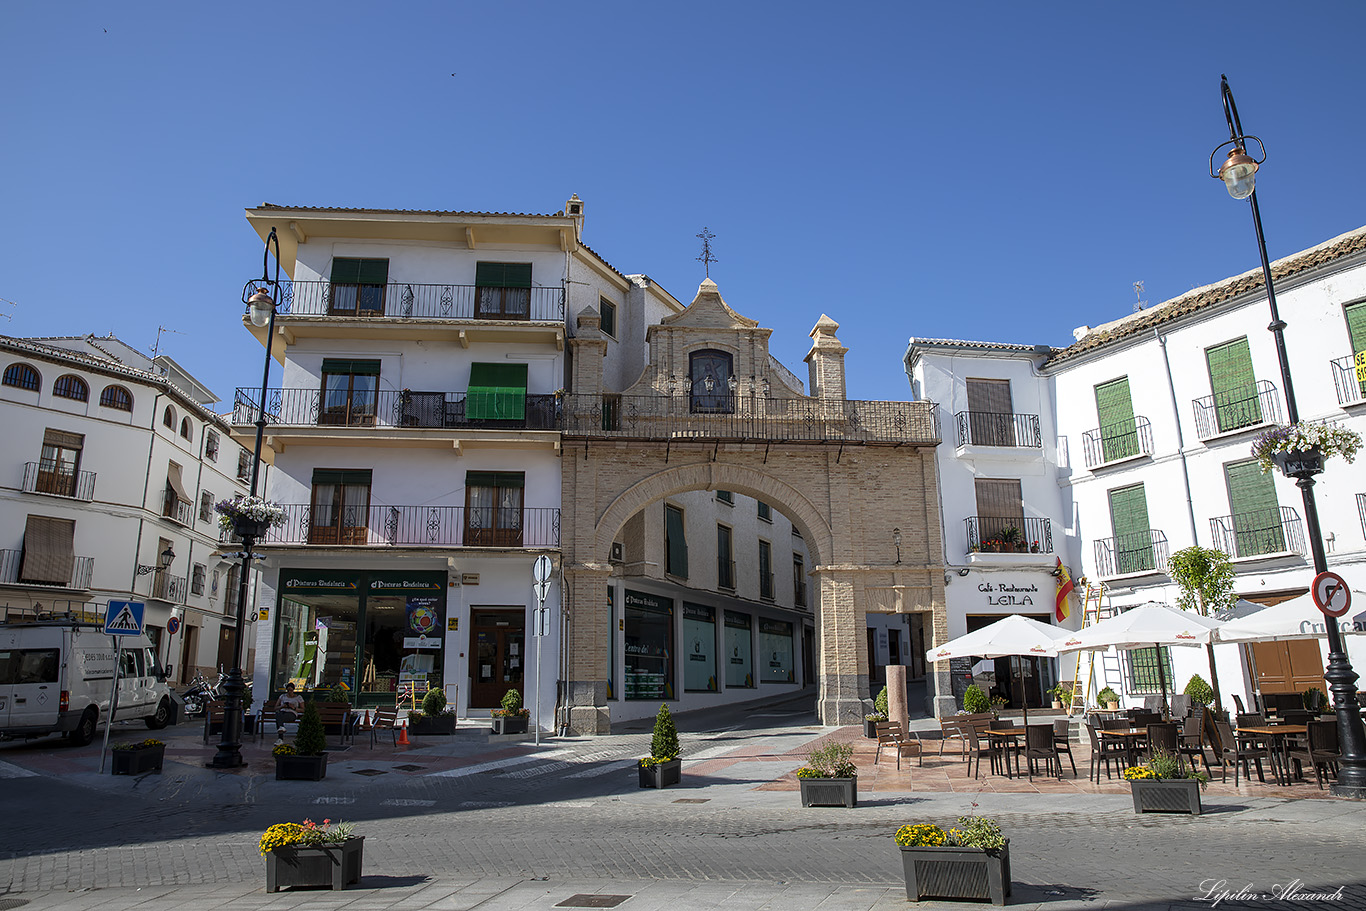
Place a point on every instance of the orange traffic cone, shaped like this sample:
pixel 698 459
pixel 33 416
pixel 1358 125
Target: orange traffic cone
pixel 403 736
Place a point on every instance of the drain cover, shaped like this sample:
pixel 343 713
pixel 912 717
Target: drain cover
pixel 7 903
pixel 592 901
pixel 369 772
pixel 409 768
pixel 692 800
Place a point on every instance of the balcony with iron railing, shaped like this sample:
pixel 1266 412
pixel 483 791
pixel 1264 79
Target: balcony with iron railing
pixel 1349 378
pixel 12 571
pixel 986 428
pixel 1118 442
pixel 1030 537
pixel 406 300
pixel 413 526
pixel 1259 532
pixel 1132 554
pixel 51 478
pixel 1237 409
pixel 166 587
pixel 738 417
pixel 177 510
pixel 390 408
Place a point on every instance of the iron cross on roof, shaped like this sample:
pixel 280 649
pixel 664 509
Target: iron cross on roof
pixel 706 259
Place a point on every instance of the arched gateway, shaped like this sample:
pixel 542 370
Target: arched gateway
pixel 713 411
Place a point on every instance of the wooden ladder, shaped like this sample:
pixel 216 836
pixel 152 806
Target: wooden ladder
pixel 1095 607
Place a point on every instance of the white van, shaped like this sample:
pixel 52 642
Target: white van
pixel 56 675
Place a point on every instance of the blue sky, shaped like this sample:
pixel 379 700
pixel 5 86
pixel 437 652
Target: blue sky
pixel 992 171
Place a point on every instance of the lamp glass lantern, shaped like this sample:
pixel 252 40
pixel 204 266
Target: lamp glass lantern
pixel 1239 174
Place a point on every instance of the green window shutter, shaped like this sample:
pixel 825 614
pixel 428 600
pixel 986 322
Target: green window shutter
pixel 1129 519
pixel 1234 386
pixel 676 544
pixel 1118 433
pixel 354 368
pixel 1356 330
pixel 374 271
pixel 495 479
pixel 497 392
pixel 347 271
pixel 1256 512
pixel 357 476
pixel 502 275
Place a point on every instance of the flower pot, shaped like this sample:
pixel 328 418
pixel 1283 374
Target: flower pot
pixel 1169 795
pixel 1299 463
pixel 510 724
pixel 335 866
pixel 962 874
pixel 432 725
pixel 870 728
pixel 662 775
pixel 1057 704
pixel 301 768
pixel 829 792
pixel 137 761
pixel 1112 706
pixel 249 528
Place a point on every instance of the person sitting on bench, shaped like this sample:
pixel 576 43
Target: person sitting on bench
pixel 287 710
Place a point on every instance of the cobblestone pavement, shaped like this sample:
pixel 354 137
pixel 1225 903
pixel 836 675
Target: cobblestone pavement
pixel 507 825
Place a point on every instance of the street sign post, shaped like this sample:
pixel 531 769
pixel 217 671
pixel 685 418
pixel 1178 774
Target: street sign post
pixel 540 575
pixel 1331 594
pixel 121 618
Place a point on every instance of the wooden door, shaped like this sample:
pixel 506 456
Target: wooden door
pixel 1289 667
pixel 497 655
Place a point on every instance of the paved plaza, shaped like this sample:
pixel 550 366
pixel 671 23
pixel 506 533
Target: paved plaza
pixel 467 822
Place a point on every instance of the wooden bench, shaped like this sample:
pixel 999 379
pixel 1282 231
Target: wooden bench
pixel 337 718
pixel 953 728
pixel 889 734
pixel 385 719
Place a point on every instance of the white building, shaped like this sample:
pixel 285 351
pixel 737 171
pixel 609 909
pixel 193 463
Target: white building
pixel 115 462
pixel 1146 426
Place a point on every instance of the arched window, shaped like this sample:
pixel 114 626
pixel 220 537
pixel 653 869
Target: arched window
pixel 185 430
pixel 23 376
pixel 71 387
pixel 168 417
pixel 116 397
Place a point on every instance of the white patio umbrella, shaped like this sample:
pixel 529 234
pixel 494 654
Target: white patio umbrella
pixel 1008 637
pixel 1148 624
pixel 1298 618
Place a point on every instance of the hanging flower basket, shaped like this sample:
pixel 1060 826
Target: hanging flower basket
pixel 248 516
pixel 1299 450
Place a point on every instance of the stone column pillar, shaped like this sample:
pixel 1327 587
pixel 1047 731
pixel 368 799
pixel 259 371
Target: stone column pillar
pixel 843 695
pixel 945 704
pixel 897 710
pixel 588 643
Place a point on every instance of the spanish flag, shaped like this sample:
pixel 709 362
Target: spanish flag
pixel 1065 587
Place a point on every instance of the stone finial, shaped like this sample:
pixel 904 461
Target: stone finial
pixel 825 361
pixel 825 327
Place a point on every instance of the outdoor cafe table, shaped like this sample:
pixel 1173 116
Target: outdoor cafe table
pixel 1280 735
pixel 1129 737
pixel 1008 739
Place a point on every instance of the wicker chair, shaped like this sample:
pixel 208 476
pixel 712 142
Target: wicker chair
pixel 976 750
pixel 1103 751
pixel 1192 740
pixel 1062 742
pixel 1039 744
pixel 1320 750
pixel 1230 749
pixel 1164 737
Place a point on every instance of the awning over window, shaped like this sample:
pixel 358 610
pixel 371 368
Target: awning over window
pixel 176 481
pixel 49 550
pixel 497 392
pixel 61 439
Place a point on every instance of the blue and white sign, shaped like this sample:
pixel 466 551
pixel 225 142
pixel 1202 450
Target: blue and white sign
pixel 124 618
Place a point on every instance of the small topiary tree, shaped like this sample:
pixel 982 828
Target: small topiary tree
pixel 975 701
pixel 664 743
pixel 311 740
pixel 434 703
pixel 880 703
pixel 512 703
pixel 1201 693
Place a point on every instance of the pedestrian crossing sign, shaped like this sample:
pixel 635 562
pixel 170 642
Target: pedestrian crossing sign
pixel 124 618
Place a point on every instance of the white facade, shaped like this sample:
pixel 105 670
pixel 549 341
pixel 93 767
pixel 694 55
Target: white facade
pixel 136 461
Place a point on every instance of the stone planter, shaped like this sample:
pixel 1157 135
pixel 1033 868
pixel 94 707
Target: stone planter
pixel 135 762
pixel 1299 463
pixel 432 725
pixel 334 866
pixel 870 728
pixel 662 775
pixel 829 792
pixel 962 874
pixel 1172 795
pixel 301 768
pixel 510 724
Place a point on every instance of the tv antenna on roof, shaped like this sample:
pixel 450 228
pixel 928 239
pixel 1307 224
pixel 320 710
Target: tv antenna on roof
pixel 9 303
pixel 1138 295
pixel 161 330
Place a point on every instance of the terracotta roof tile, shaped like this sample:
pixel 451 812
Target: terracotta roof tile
pixel 269 205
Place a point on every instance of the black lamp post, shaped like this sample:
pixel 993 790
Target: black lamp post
pixel 1238 172
pixel 260 297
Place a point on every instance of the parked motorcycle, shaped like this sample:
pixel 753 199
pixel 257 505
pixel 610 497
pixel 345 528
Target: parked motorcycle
pixel 198 694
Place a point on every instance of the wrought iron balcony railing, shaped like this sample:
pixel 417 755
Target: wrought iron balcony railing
pixel 177 510
pixel 742 417
pixel 986 428
pixel 1349 378
pixel 403 300
pixel 166 587
pixel 414 526
pixel 1113 442
pixel 1274 530
pixel 1246 406
pixel 1140 552
pixel 12 564
pixel 989 533
pixel 1361 511
pixel 50 478
pixel 397 408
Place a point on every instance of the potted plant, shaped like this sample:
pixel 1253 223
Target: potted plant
pixel 1108 699
pixel 248 516
pixel 1010 538
pixel 829 778
pixel 512 717
pixel 969 862
pixel 998 703
pixel 306 758
pixel 1200 692
pixel 975 702
pixel 1060 694
pixel 137 757
pixel 662 767
pixel 435 717
pixel 878 714
pixel 1164 785
pixel 1298 450
pixel 311 855
pixel 1314 701
pixel 1034 547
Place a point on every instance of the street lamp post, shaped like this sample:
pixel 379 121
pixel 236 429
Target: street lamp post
pixel 1238 172
pixel 260 301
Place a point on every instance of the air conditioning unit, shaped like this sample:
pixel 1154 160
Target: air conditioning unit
pixel 618 552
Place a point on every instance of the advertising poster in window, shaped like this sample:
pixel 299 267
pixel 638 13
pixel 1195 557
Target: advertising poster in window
pixel 649 648
pixel 775 652
pixel 699 643
pixel 739 651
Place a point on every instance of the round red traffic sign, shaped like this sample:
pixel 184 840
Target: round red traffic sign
pixel 173 626
pixel 1331 594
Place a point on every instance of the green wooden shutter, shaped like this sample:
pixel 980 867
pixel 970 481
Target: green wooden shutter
pixel 497 392
pixel 348 271
pixel 676 544
pixel 1129 520
pixel 357 476
pixel 1234 385
pixel 1256 512
pixel 1356 330
pixel 345 271
pixel 339 366
pixel 502 275
pixel 1118 433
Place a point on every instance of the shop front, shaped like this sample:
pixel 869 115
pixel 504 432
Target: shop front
pixel 377 634
pixel 983 598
